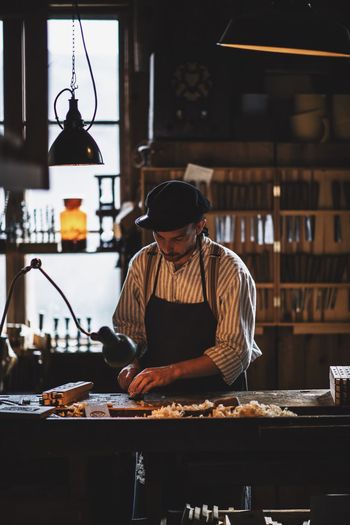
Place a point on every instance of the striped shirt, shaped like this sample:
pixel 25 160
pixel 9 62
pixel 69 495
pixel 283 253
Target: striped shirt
pixel 235 347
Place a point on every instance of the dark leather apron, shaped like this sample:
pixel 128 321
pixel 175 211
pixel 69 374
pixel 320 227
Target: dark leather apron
pixel 179 331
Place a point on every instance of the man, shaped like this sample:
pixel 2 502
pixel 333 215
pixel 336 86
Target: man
pixel 188 302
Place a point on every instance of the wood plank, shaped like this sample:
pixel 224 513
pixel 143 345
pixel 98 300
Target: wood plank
pixel 290 398
pixel 230 153
pixel 321 328
pixel 120 405
pixel 36 93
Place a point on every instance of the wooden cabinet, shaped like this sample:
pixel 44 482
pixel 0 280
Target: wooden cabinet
pixel 314 215
pixel 291 226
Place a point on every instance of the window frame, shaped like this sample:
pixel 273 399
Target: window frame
pixel 24 87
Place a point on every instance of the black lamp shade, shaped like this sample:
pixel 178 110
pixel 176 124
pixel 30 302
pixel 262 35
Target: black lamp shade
pixel 118 349
pixel 74 145
pixel 300 32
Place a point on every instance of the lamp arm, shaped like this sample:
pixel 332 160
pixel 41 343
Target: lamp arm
pixel 36 264
pixel 7 304
pixel 118 349
pixel 65 300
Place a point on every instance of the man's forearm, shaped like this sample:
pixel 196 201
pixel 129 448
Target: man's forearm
pixel 197 367
pixel 160 376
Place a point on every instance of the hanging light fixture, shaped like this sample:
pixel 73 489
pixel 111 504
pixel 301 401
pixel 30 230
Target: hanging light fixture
pixel 74 145
pixel 290 27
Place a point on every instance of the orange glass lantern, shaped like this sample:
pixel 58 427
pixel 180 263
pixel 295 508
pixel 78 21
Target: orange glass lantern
pixel 73 222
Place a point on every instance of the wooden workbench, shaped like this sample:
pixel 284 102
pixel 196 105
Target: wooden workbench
pixel 311 448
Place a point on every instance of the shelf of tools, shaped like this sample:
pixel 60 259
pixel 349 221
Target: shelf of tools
pixel 314 209
pixel 291 228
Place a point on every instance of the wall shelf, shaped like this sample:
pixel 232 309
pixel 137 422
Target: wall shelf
pixel 276 239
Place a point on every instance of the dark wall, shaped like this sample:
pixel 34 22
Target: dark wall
pixel 206 99
pixel 200 89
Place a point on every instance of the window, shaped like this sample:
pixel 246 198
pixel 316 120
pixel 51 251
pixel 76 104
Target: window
pixel 2 193
pixel 91 282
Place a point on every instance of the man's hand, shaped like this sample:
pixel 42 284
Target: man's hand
pixel 152 377
pixel 127 374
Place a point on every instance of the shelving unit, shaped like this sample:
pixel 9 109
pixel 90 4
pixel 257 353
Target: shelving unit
pixel 292 228
pixel 55 247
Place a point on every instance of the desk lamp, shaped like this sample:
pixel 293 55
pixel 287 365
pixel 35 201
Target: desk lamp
pixel 118 349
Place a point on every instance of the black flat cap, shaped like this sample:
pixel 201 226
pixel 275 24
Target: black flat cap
pixel 172 205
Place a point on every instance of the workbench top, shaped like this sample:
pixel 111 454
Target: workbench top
pixel 314 401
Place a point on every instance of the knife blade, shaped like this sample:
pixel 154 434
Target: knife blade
pixel 308 229
pixel 289 226
pixel 243 229
pixel 263 228
pixel 253 229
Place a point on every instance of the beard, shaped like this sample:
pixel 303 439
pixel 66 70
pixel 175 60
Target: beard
pixel 177 256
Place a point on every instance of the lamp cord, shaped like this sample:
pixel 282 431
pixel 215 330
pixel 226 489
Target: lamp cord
pixel 73 79
pixel 36 264
pixel 55 103
pixel 89 64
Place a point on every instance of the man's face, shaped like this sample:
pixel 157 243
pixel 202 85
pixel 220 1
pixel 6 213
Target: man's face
pixel 178 245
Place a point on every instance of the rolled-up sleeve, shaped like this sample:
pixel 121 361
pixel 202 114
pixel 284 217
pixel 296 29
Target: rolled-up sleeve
pixel 235 329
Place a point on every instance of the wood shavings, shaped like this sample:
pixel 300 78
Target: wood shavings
pixel 177 410
pixel 74 410
pixel 251 409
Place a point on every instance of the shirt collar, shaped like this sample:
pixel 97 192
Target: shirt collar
pixel 191 259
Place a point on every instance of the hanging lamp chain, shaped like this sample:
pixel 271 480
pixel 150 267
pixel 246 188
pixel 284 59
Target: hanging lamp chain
pixel 73 82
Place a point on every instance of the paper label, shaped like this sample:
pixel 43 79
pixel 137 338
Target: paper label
pixel 198 173
pixel 97 410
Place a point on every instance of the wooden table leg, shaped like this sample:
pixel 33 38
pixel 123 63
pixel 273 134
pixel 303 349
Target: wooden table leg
pixel 155 479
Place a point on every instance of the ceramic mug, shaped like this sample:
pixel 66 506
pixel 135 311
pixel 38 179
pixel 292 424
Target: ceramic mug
pixel 312 126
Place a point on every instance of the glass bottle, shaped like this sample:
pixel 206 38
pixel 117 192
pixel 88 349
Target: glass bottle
pixel 73 224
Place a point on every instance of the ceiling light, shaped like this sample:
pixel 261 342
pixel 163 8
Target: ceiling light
pixel 74 145
pixel 290 27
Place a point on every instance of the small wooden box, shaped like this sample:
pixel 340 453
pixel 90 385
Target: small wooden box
pixel 339 384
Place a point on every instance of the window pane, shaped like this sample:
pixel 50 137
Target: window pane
pixel 79 181
pixel 2 192
pixel 90 281
pixel 91 284
pixel 1 74
pixel 2 280
pixel 2 248
pixel 101 38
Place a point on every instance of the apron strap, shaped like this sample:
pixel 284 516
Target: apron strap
pixel 151 260
pixel 201 267
pixel 213 272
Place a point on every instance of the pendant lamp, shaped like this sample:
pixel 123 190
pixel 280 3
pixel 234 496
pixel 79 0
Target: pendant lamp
pixel 74 145
pixel 290 27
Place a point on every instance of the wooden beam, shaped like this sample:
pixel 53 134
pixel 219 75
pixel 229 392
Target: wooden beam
pixel 36 92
